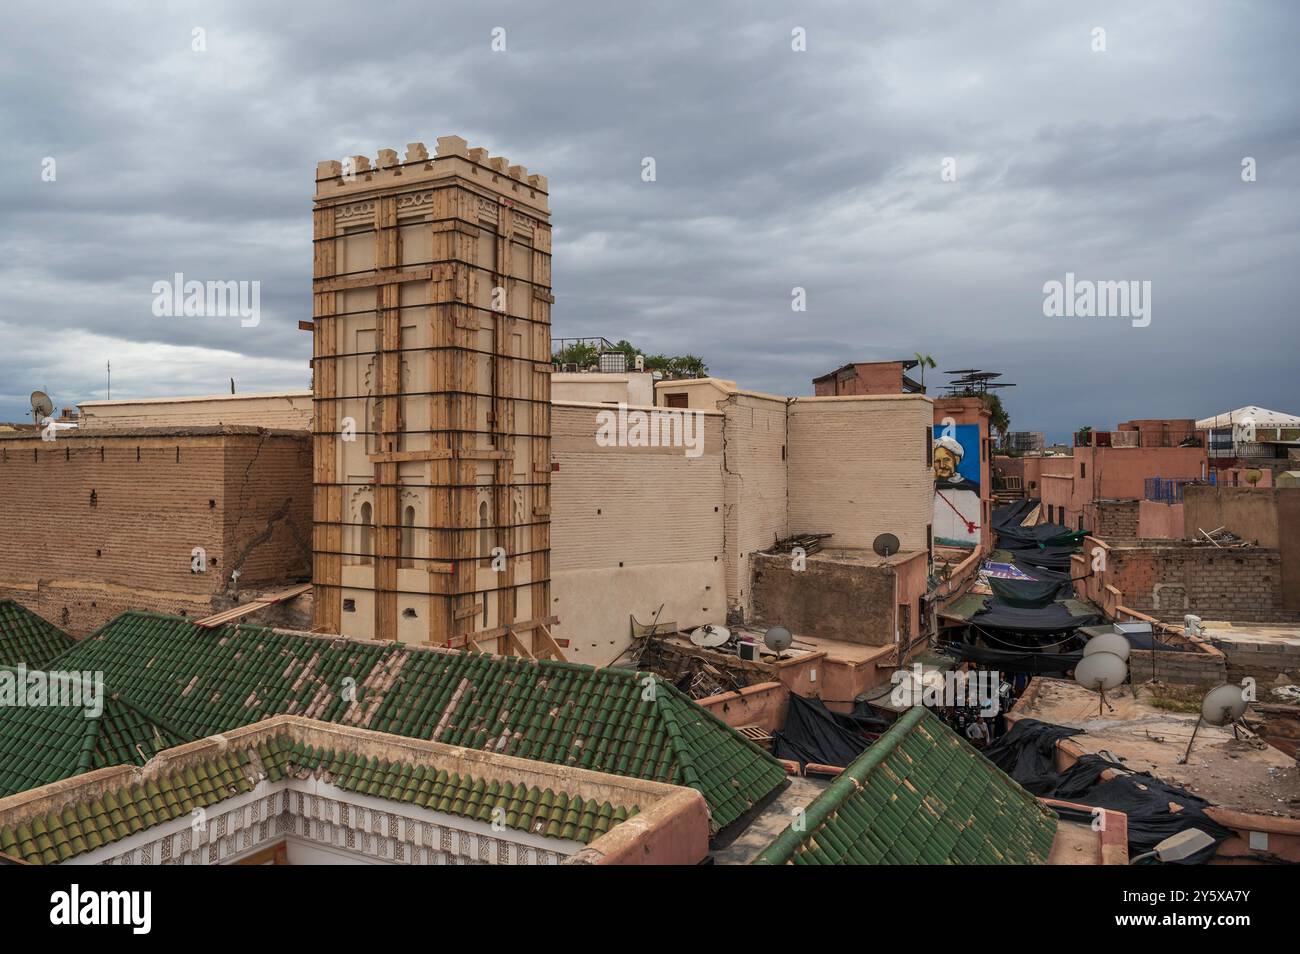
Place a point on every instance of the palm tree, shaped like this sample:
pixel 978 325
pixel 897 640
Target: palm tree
pixel 924 361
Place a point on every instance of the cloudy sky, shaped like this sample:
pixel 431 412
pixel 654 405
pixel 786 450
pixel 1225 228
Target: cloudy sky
pixel 776 168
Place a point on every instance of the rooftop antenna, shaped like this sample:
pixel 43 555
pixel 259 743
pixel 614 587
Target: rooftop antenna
pixel 109 366
pixel 1221 706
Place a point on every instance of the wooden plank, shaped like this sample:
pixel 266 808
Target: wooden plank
pixel 393 457
pixel 327 498
pixel 252 606
pixel 469 612
pixel 387 509
pixel 379 278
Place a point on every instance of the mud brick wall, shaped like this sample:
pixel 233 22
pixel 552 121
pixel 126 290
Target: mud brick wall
pixel 1200 668
pixel 1262 659
pixel 1117 520
pixel 1168 582
pixel 96 524
pixel 831 600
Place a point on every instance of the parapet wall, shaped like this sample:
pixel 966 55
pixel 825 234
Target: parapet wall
pixel 1169 581
pixel 358 174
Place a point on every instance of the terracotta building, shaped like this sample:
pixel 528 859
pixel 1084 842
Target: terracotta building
pixel 431 359
pixel 868 377
pixel 1113 466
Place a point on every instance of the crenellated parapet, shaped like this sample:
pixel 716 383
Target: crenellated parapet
pixel 357 175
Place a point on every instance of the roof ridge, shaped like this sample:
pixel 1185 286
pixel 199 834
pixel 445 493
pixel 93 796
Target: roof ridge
pixel 89 742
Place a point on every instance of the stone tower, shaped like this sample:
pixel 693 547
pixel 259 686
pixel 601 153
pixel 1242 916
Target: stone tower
pixel 431 368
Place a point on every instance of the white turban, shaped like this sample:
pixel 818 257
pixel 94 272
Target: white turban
pixel 952 445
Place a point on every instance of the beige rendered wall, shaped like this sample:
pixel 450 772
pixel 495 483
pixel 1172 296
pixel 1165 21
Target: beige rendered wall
pixel 595 388
pixel 702 394
pixel 857 468
pixel 1249 512
pixel 756 486
pixel 290 410
pixel 632 528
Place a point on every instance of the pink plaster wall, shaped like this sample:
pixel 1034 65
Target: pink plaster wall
pixel 1159 521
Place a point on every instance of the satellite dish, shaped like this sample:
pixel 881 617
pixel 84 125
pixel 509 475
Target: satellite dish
pixel 1223 705
pixel 885 544
pixel 1113 643
pixel 710 636
pixel 778 639
pixel 1099 672
pixel 42 406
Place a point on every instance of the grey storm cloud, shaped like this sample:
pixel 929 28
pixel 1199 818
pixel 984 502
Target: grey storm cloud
pixel 775 168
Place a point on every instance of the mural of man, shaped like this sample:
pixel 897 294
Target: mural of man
pixel 956 495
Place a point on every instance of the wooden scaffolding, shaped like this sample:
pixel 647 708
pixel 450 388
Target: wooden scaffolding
pixel 431 379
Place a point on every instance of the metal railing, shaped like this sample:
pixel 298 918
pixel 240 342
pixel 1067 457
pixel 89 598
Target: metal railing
pixel 1170 489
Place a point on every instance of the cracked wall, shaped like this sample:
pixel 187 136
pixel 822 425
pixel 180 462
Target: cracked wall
pixel 96 524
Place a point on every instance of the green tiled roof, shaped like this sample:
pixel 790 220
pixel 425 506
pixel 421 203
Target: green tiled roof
pixel 84 826
pixel 198 682
pixel 42 744
pixel 919 795
pixel 27 638
pixel 523 808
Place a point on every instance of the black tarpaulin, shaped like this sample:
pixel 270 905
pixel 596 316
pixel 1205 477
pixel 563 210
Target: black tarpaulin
pixel 812 733
pixel 1027 593
pixel 1052 618
pixel 1053 558
pixel 1028 753
pixel 1156 809
pixel 1011 515
pixel 1039 535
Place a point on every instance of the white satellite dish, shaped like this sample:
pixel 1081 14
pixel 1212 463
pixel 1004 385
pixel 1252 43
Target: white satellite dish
pixel 42 406
pixel 1099 672
pixel 710 636
pixel 1222 705
pixel 1112 643
pixel 778 639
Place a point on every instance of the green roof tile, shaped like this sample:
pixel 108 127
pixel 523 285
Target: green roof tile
pixel 176 682
pixel 919 795
pixel 28 639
